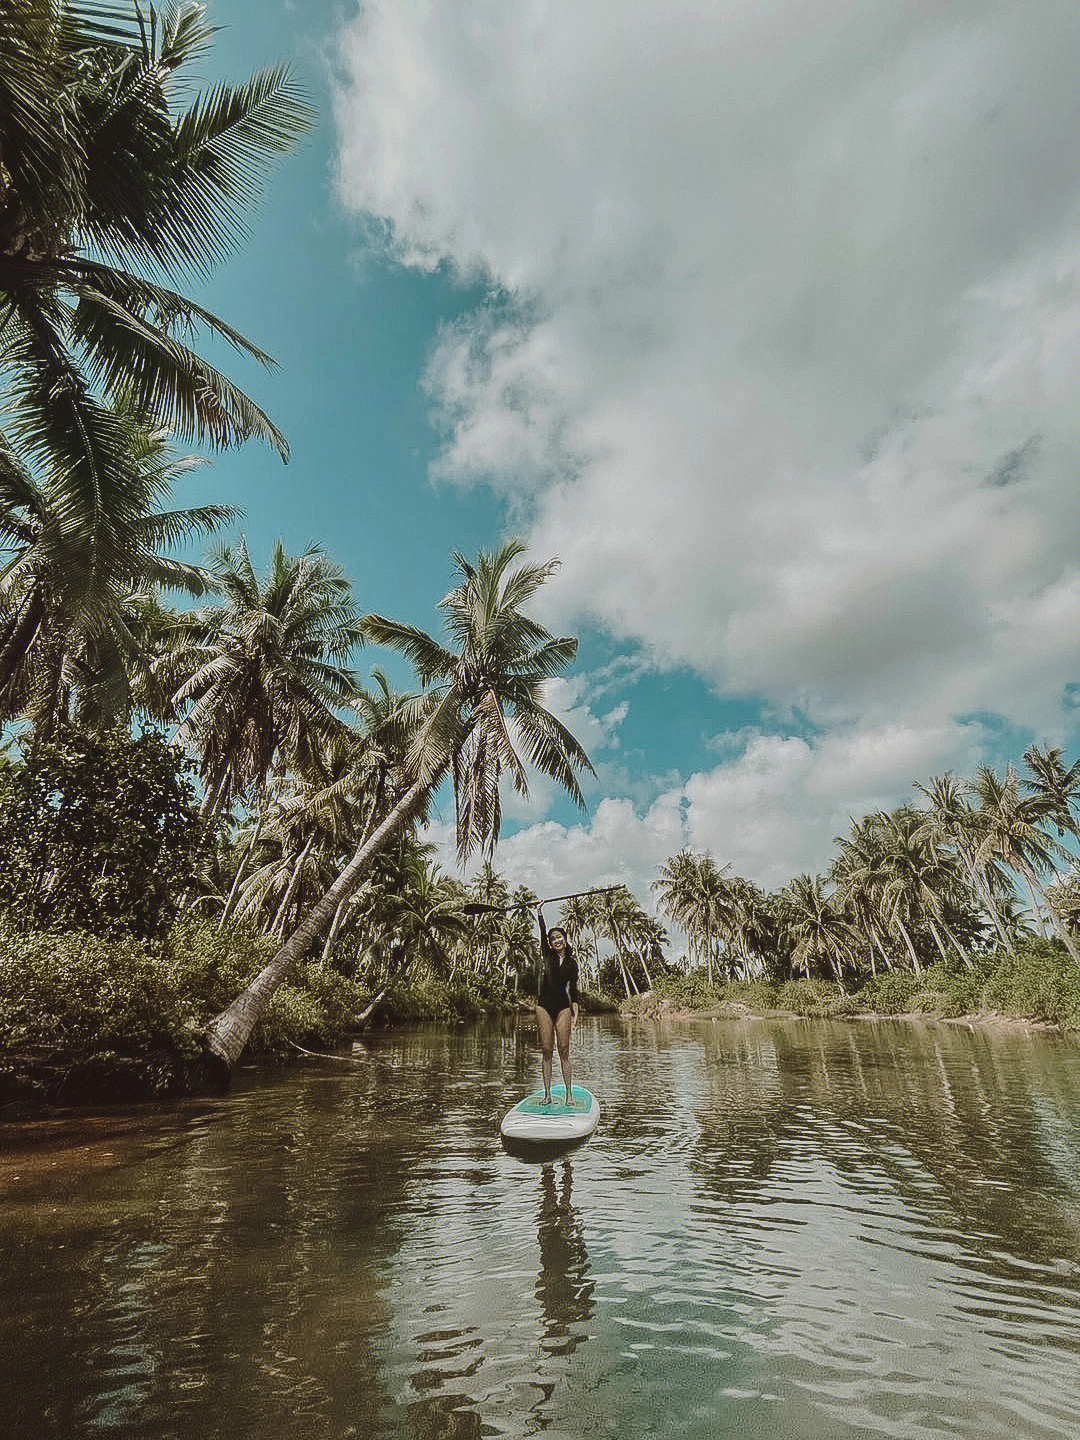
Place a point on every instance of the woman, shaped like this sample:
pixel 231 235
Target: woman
pixel 557 1003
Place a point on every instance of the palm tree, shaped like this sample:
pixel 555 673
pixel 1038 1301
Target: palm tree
pixel 815 927
pixel 951 823
pixel 1054 785
pixel 695 894
pixel 483 704
pixel 264 673
pixel 77 581
pixel 918 879
pixel 1011 831
pixel 109 194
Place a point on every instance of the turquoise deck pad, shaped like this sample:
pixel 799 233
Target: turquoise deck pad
pixel 533 1104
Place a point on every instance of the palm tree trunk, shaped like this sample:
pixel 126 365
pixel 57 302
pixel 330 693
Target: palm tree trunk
pixel 910 947
pixel 366 1013
pixel 937 939
pixel 625 976
pixel 648 977
pixel 335 926
pixel 964 956
pixel 878 946
pixel 240 869
pixel 1029 887
pixel 1059 925
pixel 279 918
pixel 229 1032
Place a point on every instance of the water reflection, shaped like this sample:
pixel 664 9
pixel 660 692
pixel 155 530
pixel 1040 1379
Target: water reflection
pixel 781 1228
pixel 563 1286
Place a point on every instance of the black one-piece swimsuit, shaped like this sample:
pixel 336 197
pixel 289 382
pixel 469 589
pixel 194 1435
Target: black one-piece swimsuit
pixel 558 988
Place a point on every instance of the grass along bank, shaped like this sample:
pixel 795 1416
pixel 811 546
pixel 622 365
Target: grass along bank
pixel 1040 983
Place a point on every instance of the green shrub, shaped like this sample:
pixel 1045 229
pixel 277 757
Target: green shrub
pixel 1041 982
pixel 758 994
pixel 815 997
pixel 691 991
pixel 889 994
pixel 76 993
pixel 211 966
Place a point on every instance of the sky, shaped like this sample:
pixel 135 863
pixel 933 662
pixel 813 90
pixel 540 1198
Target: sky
pixel 763 316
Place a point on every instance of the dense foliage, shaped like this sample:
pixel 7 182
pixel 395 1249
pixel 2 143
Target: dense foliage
pixel 98 833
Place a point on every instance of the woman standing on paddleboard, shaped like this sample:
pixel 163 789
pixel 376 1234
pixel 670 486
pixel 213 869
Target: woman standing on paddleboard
pixel 557 1003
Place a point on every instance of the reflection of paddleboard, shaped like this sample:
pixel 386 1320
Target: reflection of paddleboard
pixel 531 1120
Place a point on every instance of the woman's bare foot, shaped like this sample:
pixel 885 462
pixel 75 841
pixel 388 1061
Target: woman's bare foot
pixel 546 1100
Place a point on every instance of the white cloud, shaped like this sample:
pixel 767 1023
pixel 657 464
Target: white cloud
pixel 787 371
pixel 770 811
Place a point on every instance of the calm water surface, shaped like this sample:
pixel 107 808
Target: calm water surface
pixel 781 1229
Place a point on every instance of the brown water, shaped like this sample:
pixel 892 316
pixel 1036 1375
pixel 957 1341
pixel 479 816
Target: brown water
pixel 781 1229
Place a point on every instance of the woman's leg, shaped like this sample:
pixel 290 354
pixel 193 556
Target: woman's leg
pixel 546 1030
pixel 562 1035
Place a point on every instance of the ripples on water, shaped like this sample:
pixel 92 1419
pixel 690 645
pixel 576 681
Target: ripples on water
pixel 781 1229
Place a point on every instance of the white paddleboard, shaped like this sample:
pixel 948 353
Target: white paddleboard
pixel 532 1120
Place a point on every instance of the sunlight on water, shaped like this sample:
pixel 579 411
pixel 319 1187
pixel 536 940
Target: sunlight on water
pixel 781 1229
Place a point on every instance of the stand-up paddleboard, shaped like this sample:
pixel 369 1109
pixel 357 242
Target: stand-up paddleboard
pixel 533 1122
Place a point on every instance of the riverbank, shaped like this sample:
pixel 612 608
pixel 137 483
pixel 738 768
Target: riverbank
pixel 88 1021
pixel 1038 987
pixel 85 1020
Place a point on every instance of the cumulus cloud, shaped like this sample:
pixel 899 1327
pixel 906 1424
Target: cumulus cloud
pixel 770 811
pixel 782 348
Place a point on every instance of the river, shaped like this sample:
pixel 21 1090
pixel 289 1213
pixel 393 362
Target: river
pixel 800 1229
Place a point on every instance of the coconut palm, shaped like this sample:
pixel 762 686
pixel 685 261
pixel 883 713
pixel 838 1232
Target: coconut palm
pixel 262 675
pixel 483 705
pixel 815 927
pixel 951 823
pixel 693 892
pixel 110 193
pixel 856 874
pixel 77 580
pixel 1011 830
pixel 1054 785
pixel 917 879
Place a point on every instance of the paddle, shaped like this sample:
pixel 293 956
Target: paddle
pixel 475 907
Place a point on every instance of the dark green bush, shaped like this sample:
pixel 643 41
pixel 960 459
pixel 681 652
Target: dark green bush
pixel 758 994
pixel 889 994
pixel 76 994
pixel 692 991
pixel 815 997
pixel 98 833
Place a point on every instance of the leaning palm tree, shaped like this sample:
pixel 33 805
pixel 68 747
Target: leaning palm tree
pixel 78 580
pixel 263 673
pixel 483 706
pixel 112 192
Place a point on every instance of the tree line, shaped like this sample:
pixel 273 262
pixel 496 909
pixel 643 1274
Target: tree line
pixel 943 881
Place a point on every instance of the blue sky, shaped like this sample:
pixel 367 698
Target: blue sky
pixel 763 317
